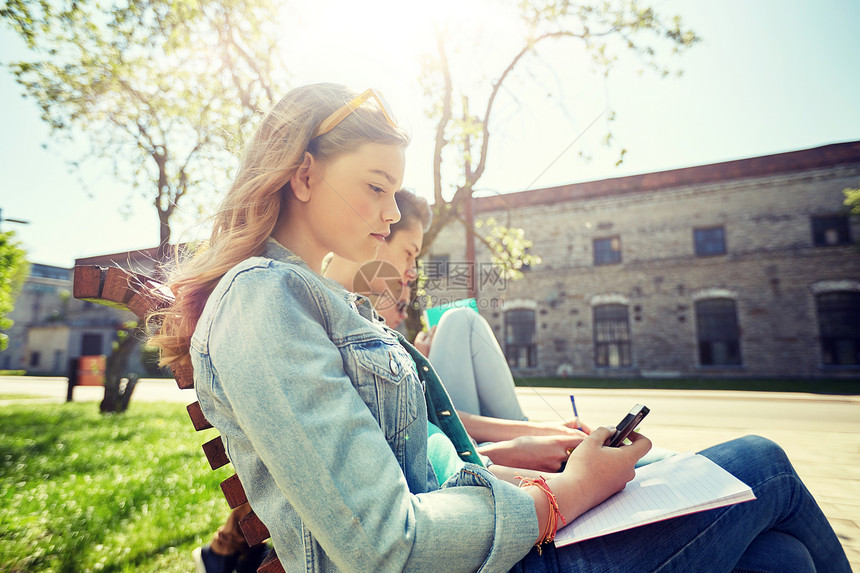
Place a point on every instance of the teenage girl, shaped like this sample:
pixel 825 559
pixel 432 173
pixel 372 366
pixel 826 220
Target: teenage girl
pixel 322 409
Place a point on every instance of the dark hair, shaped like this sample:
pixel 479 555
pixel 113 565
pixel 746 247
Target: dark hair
pixel 412 208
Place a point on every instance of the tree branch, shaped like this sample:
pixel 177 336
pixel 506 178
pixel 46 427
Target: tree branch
pixel 485 137
pixel 441 142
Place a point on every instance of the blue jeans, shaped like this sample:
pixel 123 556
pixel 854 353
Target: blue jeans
pixel 783 530
pixel 472 366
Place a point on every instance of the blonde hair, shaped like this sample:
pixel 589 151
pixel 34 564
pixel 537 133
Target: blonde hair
pixel 249 212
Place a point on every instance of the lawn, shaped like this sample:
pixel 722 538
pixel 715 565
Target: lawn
pixel 847 386
pixel 80 491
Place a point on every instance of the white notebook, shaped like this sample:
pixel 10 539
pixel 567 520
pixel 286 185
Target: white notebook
pixel 678 485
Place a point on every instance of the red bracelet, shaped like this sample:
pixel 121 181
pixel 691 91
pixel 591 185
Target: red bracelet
pixel 555 513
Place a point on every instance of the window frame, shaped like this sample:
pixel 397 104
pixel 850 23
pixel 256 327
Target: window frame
pixel 840 332
pixel 605 336
pixel 611 256
pixel 706 321
pixel 515 347
pixel 840 224
pixel 700 247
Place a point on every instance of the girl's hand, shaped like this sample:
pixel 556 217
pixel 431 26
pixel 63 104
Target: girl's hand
pixel 595 471
pixel 423 341
pixel 570 427
pixel 578 424
pixel 541 453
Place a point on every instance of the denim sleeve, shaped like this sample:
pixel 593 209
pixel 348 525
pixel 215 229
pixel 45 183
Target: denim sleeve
pixel 283 383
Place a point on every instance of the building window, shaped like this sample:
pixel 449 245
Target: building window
pixel 831 230
pixel 35 358
pixel 710 241
pixel 607 251
pixel 718 333
pixel 839 325
pixel 611 336
pixel 436 267
pixel 520 343
pixel 91 344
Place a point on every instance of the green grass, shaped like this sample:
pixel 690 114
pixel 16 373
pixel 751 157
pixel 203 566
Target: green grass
pixel 829 386
pixel 80 491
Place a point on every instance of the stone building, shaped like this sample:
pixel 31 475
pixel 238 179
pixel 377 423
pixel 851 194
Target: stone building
pixel 742 268
pixel 37 339
pixel 51 327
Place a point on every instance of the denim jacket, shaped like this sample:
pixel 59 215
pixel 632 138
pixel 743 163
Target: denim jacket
pixel 323 415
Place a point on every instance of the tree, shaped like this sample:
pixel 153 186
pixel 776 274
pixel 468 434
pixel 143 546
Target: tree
pixel 852 200
pixel 163 89
pixel 14 269
pixel 604 31
pixel 122 381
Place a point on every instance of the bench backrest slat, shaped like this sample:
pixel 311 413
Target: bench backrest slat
pixel 197 418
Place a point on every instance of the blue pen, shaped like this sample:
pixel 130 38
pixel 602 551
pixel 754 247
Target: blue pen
pixel 575 413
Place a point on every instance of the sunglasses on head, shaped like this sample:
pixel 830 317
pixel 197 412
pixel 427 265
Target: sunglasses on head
pixel 343 111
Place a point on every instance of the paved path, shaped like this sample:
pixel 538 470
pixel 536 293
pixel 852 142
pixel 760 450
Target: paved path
pixel 821 434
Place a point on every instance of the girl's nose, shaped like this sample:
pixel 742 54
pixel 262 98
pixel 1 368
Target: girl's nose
pixel 411 273
pixel 391 214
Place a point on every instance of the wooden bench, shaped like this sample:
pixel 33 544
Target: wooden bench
pixel 119 288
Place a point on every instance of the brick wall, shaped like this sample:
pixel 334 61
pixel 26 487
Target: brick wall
pixel 771 270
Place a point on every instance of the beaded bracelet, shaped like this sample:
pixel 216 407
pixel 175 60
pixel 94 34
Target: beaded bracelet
pixel 555 513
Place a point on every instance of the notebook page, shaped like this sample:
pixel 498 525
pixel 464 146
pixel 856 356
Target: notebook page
pixel 682 484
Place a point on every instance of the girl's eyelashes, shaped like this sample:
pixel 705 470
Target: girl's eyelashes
pixel 377 189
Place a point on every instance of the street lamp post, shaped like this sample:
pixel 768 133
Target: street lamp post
pixel 22 222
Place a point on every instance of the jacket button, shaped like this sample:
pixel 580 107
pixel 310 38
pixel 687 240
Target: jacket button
pixel 426 368
pixel 465 453
pixel 444 413
pixel 392 364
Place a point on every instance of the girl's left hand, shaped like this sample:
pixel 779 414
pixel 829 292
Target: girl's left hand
pixel 578 424
pixel 573 426
pixel 540 453
pixel 423 341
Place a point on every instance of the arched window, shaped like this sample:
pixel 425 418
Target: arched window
pixel 718 334
pixel 611 336
pixel 520 342
pixel 839 326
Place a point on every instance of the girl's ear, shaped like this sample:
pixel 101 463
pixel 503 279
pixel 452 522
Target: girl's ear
pixel 300 181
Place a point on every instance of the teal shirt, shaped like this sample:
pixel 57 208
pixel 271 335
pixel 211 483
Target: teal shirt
pixel 440 410
pixel 442 454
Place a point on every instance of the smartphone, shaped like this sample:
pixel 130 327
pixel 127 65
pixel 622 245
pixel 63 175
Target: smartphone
pixel 627 425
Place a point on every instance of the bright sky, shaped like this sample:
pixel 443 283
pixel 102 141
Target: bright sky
pixel 769 76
